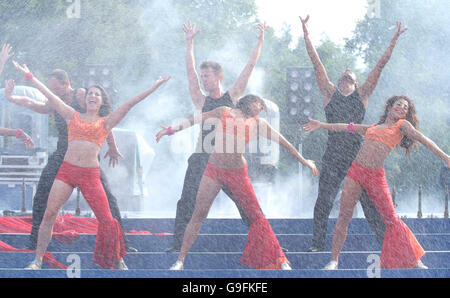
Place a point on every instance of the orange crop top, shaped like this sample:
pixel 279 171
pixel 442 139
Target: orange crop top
pixel 94 132
pixel 241 127
pixel 389 136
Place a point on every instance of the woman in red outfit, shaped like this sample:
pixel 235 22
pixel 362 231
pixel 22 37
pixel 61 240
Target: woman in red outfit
pixel 399 124
pixel 86 134
pixel 227 166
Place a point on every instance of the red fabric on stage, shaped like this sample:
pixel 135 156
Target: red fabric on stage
pixel 49 259
pixel 66 230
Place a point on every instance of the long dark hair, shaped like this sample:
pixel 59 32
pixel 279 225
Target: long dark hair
pixel 106 107
pixel 406 143
pixel 244 104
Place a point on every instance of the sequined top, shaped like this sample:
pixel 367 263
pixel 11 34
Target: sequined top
pixel 94 132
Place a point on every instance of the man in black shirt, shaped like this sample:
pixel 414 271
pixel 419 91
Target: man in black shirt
pixel 211 74
pixel 343 104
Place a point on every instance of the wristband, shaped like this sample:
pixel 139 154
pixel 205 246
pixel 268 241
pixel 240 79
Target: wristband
pixel 29 76
pixel 18 133
pixel 351 127
pixel 170 131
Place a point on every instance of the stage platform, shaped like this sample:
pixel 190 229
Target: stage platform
pixel 218 249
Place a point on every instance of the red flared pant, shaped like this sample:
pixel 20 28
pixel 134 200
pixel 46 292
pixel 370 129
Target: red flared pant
pixel 400 247
pixel 109 245
pixel 262 250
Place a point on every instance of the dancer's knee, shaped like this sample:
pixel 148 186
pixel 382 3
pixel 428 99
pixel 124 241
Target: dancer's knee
pixel 199 216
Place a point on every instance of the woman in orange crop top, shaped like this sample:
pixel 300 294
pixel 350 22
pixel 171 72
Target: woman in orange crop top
pixel 398 125
pixel 227 166
pixel 86 134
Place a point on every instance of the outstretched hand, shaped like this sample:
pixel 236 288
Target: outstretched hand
pixel 312 165
pixel 304 21
pixel 23 68
pixel 26 139
pixel 114 156
pixel 262 29
pixel 399 29
pixel 6 53
pixel 311 125
pixel 161 133
pixel 161 81
pixel 9 87
pixel 190 31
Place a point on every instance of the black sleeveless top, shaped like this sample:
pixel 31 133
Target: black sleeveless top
pixel 344 109
pixel 209 105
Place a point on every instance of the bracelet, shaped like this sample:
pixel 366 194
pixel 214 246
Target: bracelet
pixel 351 127
pixel 170 131
pixel 18 133
pixel 29 76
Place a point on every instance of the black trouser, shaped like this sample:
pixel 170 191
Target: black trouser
pixel 45 184
pixel 185 207
pixel 331 177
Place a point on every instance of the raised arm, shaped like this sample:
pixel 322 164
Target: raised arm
pixel 213 114
pixel 239 86
pixel 337 127
pixel 55 102
pixel 366 89
pixel 5 54
pixel 408 130
pixel 19 134
pixel 197 95
pixel 24 101
pixel 325 86
pixel 115 117
pixel 266 131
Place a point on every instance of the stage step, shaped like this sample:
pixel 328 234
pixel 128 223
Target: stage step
pixel 282 226
pixel 216 260
pixel 218 249
pixel 228 242
pixel 223 277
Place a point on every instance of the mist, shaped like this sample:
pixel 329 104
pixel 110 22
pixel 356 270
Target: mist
pixel 162 53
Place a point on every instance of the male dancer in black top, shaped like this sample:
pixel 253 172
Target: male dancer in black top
pixel 59 84
pixel 345 103
pixel 211 74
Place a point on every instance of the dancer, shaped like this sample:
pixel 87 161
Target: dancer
pixel 5 54
pixel 211 77
pixel 398 125
pixel 80 168
pixel 227 166
pixel 345 103
pixel 59 84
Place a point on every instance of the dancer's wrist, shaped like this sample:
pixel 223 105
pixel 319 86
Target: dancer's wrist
pixel 351 128
pixel 29 76
pixel 18 133
pixel 170 131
